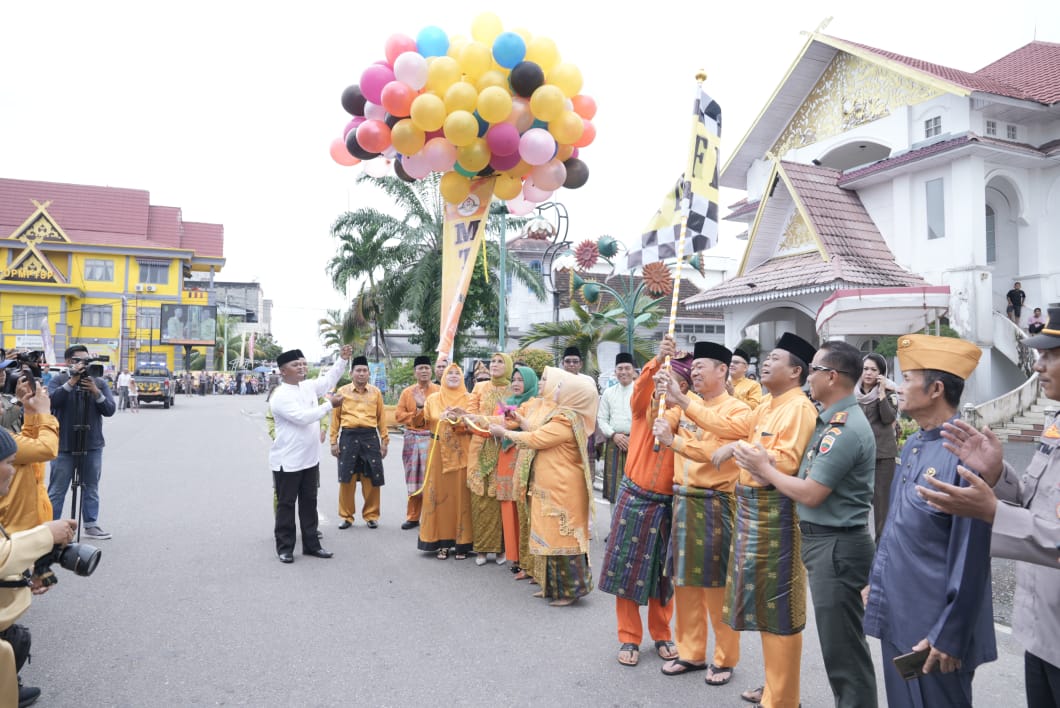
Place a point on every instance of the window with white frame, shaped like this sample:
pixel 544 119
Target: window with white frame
pixel 1011 132
pixel 991 127
pixel 933 127
pixel 97 315
pixel 936 208
pixel 991 242
pixel 148 318
pixel 28 316
pixel 154 272
pixel 99 269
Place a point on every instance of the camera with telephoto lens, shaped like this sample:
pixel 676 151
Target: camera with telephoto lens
pixel 80 558
pixel 89 366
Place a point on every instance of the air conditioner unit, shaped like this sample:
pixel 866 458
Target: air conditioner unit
pixel 151 288
pixel 691 339
pixel 139 287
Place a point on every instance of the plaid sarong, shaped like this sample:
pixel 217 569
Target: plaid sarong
pixel 614 470
pixel 766 591
pixel 702 533
pixel 635 557
pixel 414 457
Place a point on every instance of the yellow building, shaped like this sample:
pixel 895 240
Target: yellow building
pixel 95 266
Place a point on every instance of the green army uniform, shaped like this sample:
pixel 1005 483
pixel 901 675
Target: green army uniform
pixel 837 547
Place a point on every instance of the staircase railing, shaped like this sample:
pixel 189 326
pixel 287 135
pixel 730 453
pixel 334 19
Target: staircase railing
pixel 1006 406
pixel 1008 340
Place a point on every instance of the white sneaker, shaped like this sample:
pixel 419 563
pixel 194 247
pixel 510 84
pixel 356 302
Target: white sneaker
pixel 95 532
pixel 480 560
pixel 501 560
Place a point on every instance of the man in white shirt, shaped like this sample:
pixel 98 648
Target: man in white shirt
pixel 613 420
pixel 123 389
pixel 295 454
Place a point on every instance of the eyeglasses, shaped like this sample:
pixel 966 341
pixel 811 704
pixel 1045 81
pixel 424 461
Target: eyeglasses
pixel 818 367
pixel 80 360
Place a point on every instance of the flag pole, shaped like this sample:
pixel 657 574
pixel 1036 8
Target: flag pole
pixel 701 76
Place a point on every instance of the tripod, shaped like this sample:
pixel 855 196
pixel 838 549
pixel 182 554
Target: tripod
pixel 81 404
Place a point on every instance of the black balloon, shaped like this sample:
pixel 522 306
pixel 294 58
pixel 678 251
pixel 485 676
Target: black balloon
pixel 485 171
pixel 355 147
pixel 525 78
pixel 390 120
pixel 353 100
pixel 577 173
pixel 401 173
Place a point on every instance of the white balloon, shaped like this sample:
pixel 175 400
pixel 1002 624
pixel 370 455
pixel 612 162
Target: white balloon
pixel 411 69
pixel 378 167
pixel 373 111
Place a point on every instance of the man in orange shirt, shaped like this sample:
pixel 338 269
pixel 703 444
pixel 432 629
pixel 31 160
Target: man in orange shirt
pixel 417 441
pixel 635 556
pixel 702 523
pixel 359 440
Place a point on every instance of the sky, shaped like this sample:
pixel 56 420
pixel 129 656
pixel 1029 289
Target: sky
pixel 227 109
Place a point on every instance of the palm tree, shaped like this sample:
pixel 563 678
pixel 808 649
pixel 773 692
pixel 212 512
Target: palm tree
pixel 340 328
pixel 413 268
pixel 226 331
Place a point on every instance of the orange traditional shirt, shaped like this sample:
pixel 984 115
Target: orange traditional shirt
pixel 359 409
pixel 647 469
pixel 696 444
pixel 407 413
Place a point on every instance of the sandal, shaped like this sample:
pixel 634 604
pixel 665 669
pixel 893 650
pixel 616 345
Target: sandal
pixel 632 651
pixel 460 556
pixel 521 575
pixel 715 670
pixel 666 650
pixel 539 593
pixel 563 602
pixel 514 568
pixel 443 554
pixel 754 695
pixel 676 667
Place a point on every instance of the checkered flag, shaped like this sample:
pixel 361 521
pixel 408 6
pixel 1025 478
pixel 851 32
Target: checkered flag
pixel 696 191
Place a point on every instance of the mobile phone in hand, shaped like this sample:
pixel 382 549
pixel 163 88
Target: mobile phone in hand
pixel 910 665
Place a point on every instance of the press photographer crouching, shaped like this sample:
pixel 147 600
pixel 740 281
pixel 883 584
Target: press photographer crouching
pixel 19 552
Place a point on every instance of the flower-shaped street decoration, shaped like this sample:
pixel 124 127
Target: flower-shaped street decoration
pixel 657 279
pixel 586 254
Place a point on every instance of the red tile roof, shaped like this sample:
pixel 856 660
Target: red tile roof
pixel 1030 73
pixel 858 255
pixel 106 216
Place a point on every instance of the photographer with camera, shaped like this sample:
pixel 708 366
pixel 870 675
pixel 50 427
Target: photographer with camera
pixel 26 504
pixel 18 552
pixel 80 400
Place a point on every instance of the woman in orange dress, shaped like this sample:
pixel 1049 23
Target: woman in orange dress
pixel 482 456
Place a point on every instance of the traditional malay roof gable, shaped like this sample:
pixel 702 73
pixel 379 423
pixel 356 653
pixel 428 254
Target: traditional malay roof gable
pixel 809 235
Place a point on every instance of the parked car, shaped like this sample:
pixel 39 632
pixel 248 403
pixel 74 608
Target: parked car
pixel 155 385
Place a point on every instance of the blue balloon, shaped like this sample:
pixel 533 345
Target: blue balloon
pixel 508 49
pixel 483 125
pixel 432 41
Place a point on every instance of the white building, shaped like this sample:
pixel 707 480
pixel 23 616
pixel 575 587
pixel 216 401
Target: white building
pixel 868 169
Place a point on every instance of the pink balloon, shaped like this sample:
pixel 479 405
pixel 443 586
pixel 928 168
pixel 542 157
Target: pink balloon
pixel 440 155
pixel 549 176
pixel 537 146
pixel 575 152
pixel 503 139
pixel 417 166
pixel 340 154
pixel 533 193
pixel 373 135
pixel 373 79
pixel 502 163
pixel 397 44
pixel 352 125
pixel 519 206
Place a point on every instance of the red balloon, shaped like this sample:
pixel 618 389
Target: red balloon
pixel 396 45
pixel 374 135
pixel 588 135
pixel 584 106
pixel 340 154
pixel 397 99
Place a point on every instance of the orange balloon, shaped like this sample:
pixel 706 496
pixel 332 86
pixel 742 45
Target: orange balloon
pixel 564 152
pixel 397 99
pixel 584 106
pixel 588 135
pixel 521 170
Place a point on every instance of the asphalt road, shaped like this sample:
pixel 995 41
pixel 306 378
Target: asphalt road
pixel 189 606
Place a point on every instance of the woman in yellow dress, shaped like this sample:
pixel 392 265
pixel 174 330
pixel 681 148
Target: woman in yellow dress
pixel 445 522
pixel 482 456
pixel 553 468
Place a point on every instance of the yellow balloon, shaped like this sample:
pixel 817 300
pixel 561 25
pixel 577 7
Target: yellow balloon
pixel 454 187
pixel 542 51
pixel 456 44
pixel 524 33
pixel 567 127
pixel 567 77
pixel 475 59
pixel 494 78
pixel 494 104
pixel 406 137
pixel 563 152
pixel 474 156
pixel 460 128
pixel 547 103
pixel 428 112
pixel 442 72
pixel 461 96
pixel 486 27
pixel 507 186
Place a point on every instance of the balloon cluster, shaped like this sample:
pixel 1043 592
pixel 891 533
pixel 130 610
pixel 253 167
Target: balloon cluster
pixel 500 103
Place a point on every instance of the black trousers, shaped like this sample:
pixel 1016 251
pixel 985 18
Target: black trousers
pixel 1042 680
pixel 300 487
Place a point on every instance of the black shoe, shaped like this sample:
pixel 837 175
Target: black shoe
pixel 286 558
pixel 409 525
pixel 27 695
pixel 320 534
pixel 372 524
pixel 319 553
pixel 346 523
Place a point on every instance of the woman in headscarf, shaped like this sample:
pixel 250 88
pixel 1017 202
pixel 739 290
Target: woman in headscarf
pixel 553 467
pixel 445 522
pixel 874 395
pixel 517 408
pixel 482 456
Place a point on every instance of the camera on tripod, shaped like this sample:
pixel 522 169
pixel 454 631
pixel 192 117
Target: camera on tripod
pixel 79 558
pixel 89 365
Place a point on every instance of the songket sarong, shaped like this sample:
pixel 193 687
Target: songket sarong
pixel 359 453
pixel 566 576
pixel 766 591
pixel 414 451
pixel 702 534
pixel 614 469
pixel 635 557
